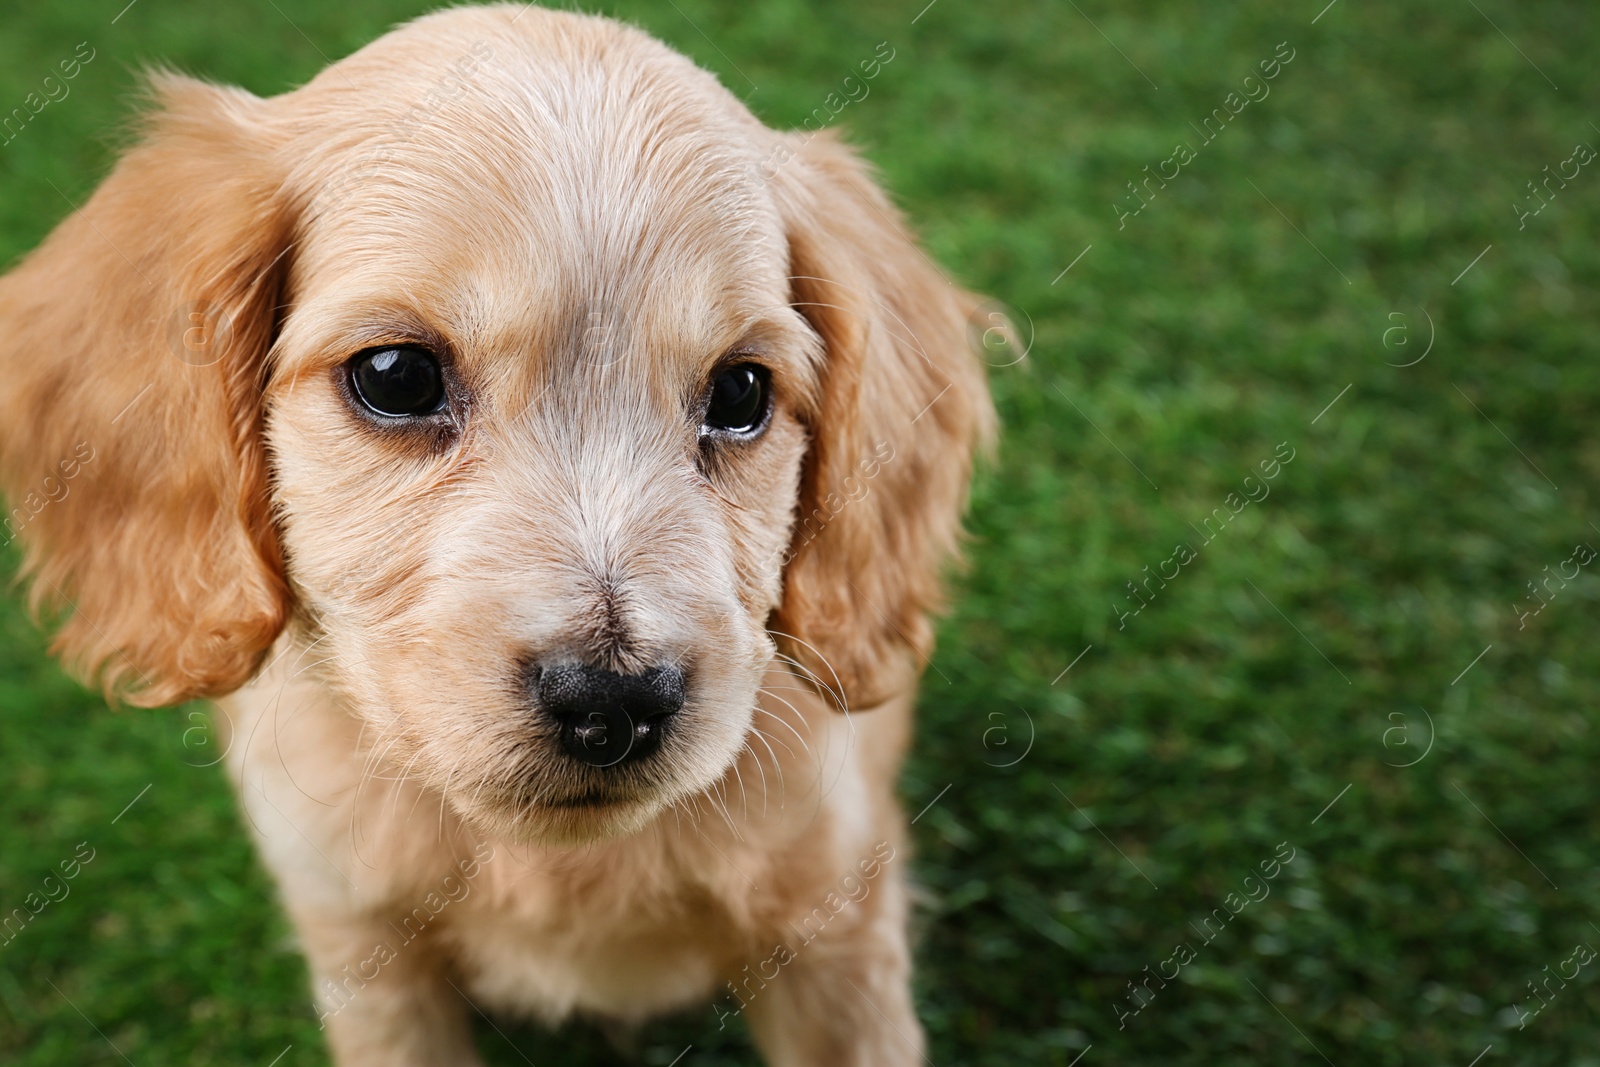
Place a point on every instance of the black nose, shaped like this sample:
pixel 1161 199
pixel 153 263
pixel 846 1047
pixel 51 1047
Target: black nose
pixel 606 718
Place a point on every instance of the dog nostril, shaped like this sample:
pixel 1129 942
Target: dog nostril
pixel 606 718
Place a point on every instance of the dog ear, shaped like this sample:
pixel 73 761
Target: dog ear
pixel 130 383
pixel 903 407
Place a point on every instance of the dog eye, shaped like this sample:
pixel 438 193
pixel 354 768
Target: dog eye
pixel 738 402
pixel 398 381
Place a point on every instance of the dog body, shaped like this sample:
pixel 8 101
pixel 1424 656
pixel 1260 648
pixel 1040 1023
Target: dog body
pixel 550 468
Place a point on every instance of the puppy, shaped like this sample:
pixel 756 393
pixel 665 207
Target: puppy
pixel 549 469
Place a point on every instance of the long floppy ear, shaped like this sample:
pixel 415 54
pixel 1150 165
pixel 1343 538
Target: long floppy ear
pixel 130 384
pixel 904 406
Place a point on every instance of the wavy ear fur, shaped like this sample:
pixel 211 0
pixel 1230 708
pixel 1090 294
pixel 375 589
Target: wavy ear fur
pixel 904 407
pixel 130 384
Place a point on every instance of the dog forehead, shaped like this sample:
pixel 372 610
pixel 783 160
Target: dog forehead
pixel 547 171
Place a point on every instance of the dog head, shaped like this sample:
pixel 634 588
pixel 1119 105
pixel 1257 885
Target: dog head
pixel 514 364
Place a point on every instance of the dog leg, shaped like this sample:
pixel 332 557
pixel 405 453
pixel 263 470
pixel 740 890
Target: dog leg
pixel 843 998
pixel 384 1002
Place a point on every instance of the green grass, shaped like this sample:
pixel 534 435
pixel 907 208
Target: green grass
pixel 1254 689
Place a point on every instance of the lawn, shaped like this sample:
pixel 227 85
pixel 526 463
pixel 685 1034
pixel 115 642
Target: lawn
pixel 1261 730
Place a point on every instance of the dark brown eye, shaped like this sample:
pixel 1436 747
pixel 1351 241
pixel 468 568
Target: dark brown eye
pixel 739 399
pixel 398 382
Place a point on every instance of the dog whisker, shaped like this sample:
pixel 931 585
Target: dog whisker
pixel 777 766
pixel 815 785
pixel 444 796
pixel 836 690
pixel 379 751
pixel 766 790
pixel 744 795
pixel 849 720
pixel 805 745
pixel 719 803
pixel 777 769
pixel 778 740
pixel 397 784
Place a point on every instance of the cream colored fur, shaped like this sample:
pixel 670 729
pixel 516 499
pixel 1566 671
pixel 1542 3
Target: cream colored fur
pixel 586 224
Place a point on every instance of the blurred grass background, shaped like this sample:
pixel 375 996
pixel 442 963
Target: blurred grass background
pixel 1317 643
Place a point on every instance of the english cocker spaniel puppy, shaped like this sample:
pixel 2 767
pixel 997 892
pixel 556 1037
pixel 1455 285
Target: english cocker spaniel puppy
pixel 548 468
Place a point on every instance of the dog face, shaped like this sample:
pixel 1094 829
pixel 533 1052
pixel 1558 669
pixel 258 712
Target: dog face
pixel 539 399
pixel 550 585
